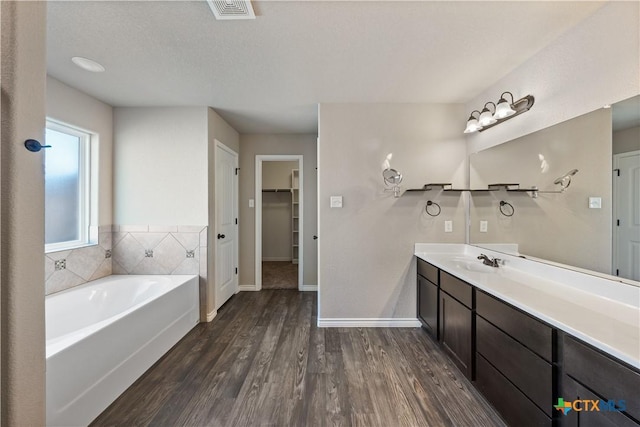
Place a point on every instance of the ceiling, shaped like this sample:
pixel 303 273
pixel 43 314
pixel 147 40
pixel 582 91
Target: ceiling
pixel 267 75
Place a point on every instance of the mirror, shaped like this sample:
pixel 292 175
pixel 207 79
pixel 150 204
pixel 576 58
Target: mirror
pixel 565 192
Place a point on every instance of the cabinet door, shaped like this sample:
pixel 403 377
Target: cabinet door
pixel 428 306
pixel 455 332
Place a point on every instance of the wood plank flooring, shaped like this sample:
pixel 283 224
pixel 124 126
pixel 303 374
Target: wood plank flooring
pixel 263 362
pixel 279 275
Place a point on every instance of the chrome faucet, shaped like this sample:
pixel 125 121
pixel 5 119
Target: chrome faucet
pixel 490 262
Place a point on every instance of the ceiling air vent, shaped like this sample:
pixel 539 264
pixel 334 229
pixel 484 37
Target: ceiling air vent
pixel 232 9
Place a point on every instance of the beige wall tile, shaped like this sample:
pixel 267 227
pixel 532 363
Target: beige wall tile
pixel 169 253
pixel 189 241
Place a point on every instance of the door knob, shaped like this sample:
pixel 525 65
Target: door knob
pixel 315 237
pixel 221 236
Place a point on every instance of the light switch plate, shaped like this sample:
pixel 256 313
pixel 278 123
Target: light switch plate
pixel 595 202
pixel 484 225
pixel 448 226
pixel 336 201
pixel 252 203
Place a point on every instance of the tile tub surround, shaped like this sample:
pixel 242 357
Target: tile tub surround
pixel 149 249
pixel 602 312
pixel 66 269
pixel 130 249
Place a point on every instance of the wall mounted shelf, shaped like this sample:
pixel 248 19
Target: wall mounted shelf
pixel 428 187
pixel 510 187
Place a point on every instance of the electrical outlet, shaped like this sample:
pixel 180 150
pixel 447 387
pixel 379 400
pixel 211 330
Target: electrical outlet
pixel 448 226
pixel 595 202
pixel 336 201
pixel 484 225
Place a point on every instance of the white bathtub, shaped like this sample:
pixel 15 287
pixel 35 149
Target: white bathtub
pixel 103 335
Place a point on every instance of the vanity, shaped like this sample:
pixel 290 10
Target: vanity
pixel 528 334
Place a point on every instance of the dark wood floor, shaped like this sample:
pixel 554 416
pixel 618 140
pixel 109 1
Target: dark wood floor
pixel 279 275
pixel 263 362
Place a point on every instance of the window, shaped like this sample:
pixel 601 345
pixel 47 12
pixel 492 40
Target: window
pixel 67 187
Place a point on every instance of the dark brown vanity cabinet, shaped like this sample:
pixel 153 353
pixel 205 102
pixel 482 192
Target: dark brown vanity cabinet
pixel 514 352
pixel 590 375
pixel 521 364
pixel 428 297
pixel 456 321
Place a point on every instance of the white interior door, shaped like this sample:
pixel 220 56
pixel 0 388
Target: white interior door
pixel 627 215
pixel 226 231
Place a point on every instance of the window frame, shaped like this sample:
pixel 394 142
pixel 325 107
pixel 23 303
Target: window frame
pixel 85 172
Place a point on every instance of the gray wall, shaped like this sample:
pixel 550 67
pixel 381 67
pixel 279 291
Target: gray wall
pixel 626 140
pixel 276 227
pixel 277 174
pixel 22 335
pixel 366 267
pixel 295 144
pixel 76 108
pixel 160 166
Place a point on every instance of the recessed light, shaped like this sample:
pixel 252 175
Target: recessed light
pixel 87 64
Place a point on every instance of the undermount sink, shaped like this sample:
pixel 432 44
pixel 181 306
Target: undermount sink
pixel 474 265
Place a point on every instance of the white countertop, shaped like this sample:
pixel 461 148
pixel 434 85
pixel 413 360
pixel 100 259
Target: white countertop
pixel 604 313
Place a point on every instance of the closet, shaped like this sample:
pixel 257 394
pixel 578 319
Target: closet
pixel 280 222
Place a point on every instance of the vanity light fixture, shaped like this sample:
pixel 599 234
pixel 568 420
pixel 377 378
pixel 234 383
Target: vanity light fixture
pixel 486 116
pixel 472 123
pixel 504 110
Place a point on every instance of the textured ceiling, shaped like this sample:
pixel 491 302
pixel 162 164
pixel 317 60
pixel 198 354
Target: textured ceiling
pixel 267 75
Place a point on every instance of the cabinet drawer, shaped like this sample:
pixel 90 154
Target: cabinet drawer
pixel 513 405
pixel 571 391
pixel 455 287
pixel 602 374
pixel 428 271
pixel 524 328
pixel 529 372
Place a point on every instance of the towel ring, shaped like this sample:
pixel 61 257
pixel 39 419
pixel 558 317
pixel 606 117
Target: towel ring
pixel 430 203
pixel 510 207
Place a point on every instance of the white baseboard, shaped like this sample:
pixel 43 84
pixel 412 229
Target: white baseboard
pixel 310 288
pixel 247 288
pixel 276 258
pixel 369 323
pixel 211 315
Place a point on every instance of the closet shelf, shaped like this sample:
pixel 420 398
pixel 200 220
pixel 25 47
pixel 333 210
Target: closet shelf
pixel 276 190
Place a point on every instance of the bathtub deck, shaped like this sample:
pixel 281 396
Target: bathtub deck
pixel 263 361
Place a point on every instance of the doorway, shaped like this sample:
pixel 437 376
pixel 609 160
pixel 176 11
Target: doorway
pixel 626 231
pixel 279 222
